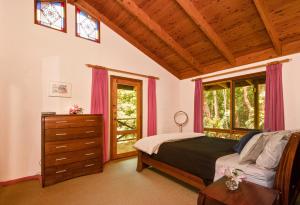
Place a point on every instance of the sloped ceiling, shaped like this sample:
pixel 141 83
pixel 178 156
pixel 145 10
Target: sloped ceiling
pixel 194 37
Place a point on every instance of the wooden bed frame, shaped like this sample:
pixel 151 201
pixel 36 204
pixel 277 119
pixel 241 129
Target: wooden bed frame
pixel 287 179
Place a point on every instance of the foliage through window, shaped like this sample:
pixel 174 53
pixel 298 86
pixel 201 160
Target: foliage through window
pixel 249 103
pixel 86 26
pixel 217 106
pixel 51 14
pixel 126 117
pixel 235 104
pixel 261 105
pixel 127 108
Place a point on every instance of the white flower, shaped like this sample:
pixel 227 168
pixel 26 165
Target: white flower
pixel 234 174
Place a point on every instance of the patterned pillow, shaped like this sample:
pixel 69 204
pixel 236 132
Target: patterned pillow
pixel 253 148
pixel 271 155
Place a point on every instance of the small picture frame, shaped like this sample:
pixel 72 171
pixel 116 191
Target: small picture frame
pixel 60 89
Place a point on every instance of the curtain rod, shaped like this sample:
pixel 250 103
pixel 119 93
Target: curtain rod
pixel 121 71
pixel 244 69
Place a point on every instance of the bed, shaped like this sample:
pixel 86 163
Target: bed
pixel 198 150
pixel 179 159
pixel 252 172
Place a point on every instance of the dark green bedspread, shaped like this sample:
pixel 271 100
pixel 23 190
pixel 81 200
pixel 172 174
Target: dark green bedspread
pixel 196 156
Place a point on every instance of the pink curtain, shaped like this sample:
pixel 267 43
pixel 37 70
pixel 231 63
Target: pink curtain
pixel 274 110
pixel 99 103
pixel 152 130
pixel 198 106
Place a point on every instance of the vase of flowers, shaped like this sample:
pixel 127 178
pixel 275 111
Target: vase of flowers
pixel 234 177
pixel 75 109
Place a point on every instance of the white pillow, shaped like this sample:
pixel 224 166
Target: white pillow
pixel 253 148
pixel 271 155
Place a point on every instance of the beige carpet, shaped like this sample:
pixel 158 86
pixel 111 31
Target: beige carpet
pixel 119 184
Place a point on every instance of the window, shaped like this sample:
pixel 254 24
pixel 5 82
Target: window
pixel 234 105
pixel 249 103
pixel 217 105
pixel 86 26
pixel 51 14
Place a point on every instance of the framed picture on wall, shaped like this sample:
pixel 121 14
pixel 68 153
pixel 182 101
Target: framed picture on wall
pixel 60 89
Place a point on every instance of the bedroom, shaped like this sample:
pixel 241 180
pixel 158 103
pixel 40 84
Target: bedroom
pixel 32 56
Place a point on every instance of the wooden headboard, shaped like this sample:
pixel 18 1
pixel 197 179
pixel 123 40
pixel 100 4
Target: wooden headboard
pixel 287 179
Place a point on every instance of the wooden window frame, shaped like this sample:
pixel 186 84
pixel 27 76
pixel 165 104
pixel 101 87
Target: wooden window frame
pixel 94 18
pixel 233 129
pixel 64 30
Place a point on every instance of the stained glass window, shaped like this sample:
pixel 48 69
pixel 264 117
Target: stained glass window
pixel 51 14
pixel 86 26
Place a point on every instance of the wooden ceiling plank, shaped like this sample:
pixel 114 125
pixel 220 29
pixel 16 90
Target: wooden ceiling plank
pixel 291 48
pixel 136 11
pixel 200 21
pixel 269 53
pixel 253 57
pixel 82 4
pixel 268 24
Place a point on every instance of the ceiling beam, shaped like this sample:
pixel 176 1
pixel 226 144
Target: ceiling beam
pixel 223 85
pixel 249 82
pixel 84 5
pixel 268 24
pixel 200 21
pixel 142 16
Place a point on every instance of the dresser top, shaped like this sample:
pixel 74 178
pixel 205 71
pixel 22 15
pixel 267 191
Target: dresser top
pixel 65 115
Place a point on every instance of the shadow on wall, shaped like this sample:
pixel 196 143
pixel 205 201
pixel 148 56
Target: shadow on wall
pixel 20 122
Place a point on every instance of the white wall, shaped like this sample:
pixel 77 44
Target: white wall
pixel 32 55
pixel 291 74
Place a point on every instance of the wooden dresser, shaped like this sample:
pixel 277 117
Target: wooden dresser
pixel 71 146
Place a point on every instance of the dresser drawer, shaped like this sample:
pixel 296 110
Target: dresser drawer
pixel 71 145
pixel 67 133
pixel 71 121
pixel 70 157
pixel 63 172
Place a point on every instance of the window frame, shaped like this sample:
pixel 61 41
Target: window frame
pixel 94 18
pixel 64 30
pixel 234 130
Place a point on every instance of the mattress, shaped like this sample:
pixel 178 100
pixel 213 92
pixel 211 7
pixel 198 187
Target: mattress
pixel 196 156
pixel 253 173
pixel 150 145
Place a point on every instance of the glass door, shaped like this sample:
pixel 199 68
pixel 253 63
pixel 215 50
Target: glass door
pixel 126 116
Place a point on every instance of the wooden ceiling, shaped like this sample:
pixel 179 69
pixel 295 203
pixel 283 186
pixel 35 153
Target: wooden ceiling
pixel 194 37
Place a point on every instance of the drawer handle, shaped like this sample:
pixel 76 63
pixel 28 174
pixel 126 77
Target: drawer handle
pixel 61 134
pixel 62 146
pixel 89 165
pixel 61 171
pixel 58 122
pixel 60 159
pixel 90 120
pixel 88 154
pixel 90 143
pixel 89 132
